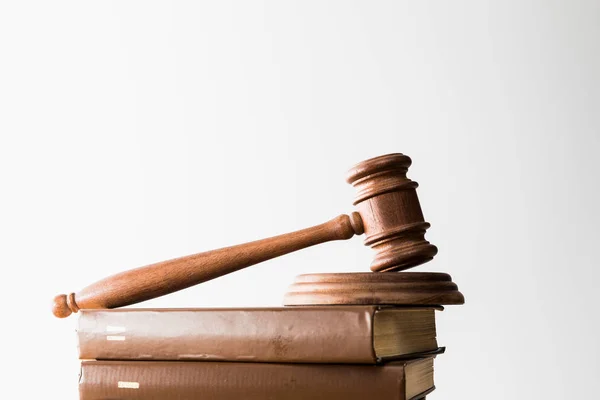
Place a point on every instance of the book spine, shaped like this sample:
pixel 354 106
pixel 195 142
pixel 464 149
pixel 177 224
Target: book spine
pixel 299 335
pixel 153 380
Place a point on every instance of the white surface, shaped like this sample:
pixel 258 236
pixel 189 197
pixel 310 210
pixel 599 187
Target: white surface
pixel 133 132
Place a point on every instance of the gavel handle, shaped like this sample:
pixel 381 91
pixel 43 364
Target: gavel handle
pixel 151 281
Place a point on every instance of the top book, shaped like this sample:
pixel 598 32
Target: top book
pixel 311 334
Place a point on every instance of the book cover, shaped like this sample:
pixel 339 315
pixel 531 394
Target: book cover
pixel 188 380
pixel 319 334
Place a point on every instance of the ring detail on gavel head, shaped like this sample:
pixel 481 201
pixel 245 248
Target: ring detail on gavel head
pixel 389 207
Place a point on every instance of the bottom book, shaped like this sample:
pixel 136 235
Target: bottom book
pixel 211 380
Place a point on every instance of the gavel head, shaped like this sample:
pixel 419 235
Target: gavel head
pixel 391 214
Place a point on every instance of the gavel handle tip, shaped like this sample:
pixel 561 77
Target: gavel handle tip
pixel 61 307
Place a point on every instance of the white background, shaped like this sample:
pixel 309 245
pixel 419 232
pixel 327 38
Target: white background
pixel 137 131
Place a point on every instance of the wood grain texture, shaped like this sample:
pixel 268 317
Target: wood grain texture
pixel 386 288
pixel 389 207
pixel 169 276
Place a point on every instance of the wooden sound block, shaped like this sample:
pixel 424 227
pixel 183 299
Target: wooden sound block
pixel 393 288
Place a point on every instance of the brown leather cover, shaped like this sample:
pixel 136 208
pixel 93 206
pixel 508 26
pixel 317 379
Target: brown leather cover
pixel 185 380
pixel 316 334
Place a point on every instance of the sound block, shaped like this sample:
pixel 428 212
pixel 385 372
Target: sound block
pixel 381 288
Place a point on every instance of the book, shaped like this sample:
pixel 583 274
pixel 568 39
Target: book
pixel 214 380
pixel 312 334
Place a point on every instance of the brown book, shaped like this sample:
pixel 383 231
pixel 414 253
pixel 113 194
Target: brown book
pixel 189 380
pixel 314 334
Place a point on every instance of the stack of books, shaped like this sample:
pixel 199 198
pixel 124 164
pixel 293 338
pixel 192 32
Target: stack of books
pixel 306 352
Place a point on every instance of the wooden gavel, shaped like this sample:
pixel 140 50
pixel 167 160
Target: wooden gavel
pixel 388 212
